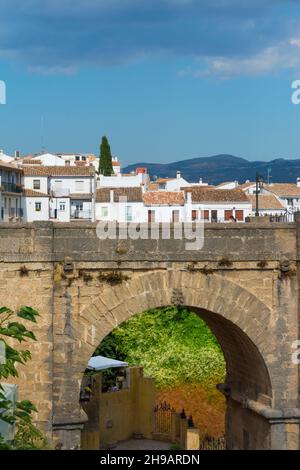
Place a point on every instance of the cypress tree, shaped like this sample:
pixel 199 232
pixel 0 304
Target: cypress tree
pixel 105 162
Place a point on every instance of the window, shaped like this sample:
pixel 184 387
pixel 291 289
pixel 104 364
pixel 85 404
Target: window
pixel 79 206
pixel 77 158
pixel 104 212
pixel 38 207
pixel 239 215
pixel 79 186
pixel 83 159
pixel 62 206
pixel 206 215
pixel 36 184
pixel 290 202
pixel 175 216
pixel 151 216
pixel 194 215
pixel 58 184
pixel 128 213
pixel 214 216
pixel 227 215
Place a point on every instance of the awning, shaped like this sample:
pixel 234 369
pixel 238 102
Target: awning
pixel 101 363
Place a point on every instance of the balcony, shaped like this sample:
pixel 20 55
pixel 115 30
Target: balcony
pixel 11 187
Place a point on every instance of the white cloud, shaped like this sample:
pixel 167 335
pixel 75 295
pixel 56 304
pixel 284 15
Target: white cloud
pixel 271 59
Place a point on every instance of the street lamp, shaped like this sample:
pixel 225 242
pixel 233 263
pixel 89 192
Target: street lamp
pixel 259 184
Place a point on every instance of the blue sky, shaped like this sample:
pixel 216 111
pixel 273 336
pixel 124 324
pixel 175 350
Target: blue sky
pixel 165 80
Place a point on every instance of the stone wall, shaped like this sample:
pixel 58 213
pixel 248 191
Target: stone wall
pixel 236 283
pixel 116 416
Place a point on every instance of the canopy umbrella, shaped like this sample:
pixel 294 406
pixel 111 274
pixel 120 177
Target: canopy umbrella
pixel 101 363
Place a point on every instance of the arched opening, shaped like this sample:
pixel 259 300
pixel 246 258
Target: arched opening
pixel 234 315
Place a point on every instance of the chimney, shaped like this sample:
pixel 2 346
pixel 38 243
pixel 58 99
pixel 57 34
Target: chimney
pixel 200 180
pixel 188 196
pixel 1 152
pixel 298 182
pixel 111 195
pixel 178 174
pixel 17 154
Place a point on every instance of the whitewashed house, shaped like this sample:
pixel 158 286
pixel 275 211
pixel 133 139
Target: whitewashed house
pixel 120 204
pixel 215 205
pixel 116 165
pixel 122 181
pixel 45 159
pixel 36 206
pixel 228 185
pixel 249 187
pixel 268 204
pixel 164 206
pixel 11 192
pixel 71 190
pixel 287 193
pixel 5 158
pixel 79 159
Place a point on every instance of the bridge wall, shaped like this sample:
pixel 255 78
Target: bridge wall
pixel 236 283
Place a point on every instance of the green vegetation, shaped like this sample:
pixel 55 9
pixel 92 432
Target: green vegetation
pixel 172 344
pixel 27 435
pixel 105 163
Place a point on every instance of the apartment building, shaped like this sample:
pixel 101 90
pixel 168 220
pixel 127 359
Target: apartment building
pixel 11 191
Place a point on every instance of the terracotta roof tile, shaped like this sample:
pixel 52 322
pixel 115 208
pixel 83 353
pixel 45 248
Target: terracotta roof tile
pixel 284 189
pixel 170 198
pixel 217 195
pixel 134 194
pixel 32 193
pixel 59 171
pixel 9 166
pixel 265 202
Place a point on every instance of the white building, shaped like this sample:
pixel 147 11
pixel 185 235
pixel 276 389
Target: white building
pixel 45 159
pixel 5 158
pixel 268 204
pixel 36 206
pixel 228 185
pixel 287 193
pixel 79 159
pixel 122 181
pixel 249 187
pixel 71 190
pixel 215 205
pixel 120 204
pixel 116 165
pixel 164 206
pixel 11 190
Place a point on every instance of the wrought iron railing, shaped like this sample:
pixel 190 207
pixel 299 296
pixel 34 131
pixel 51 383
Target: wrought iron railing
pixel 163 418
pixel 11 187
pixel 212 443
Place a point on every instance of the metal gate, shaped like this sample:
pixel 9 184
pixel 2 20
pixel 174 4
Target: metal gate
pixel 163 418
pixel 213 443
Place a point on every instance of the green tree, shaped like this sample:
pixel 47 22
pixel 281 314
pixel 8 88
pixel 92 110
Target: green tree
pixel 105 162
pixel 20 414
pixel 173 345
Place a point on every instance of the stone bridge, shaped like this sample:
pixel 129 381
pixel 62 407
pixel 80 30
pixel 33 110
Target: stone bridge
pixel 243 283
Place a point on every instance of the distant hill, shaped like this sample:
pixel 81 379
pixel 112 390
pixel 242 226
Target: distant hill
pixel 219 168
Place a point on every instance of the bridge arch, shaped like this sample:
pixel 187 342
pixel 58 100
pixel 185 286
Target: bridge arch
pixel 236 317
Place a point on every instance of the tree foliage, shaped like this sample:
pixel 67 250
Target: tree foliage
pixel 172 344
pixel 105 162
pixel 12 330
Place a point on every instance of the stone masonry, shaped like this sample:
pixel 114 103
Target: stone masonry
pixel 243 283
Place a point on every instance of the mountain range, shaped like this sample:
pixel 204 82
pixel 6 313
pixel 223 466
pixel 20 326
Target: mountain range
pixel 219 168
